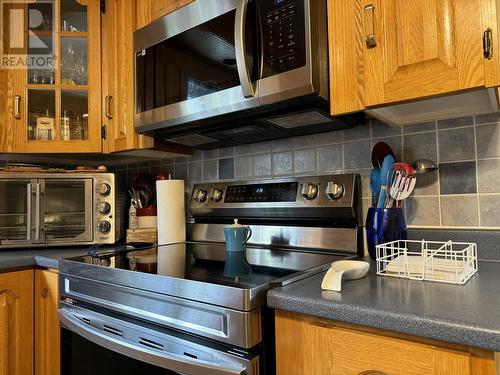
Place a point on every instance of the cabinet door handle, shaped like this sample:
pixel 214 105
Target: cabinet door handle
pixel 488 44
pixel 44 293
pixel 108 107
pixel 370 26
pixel 372 372
pixel 17 107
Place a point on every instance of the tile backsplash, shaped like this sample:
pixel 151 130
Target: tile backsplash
pixel 465 192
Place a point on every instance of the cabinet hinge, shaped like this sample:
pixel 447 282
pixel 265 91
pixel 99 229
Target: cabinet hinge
pixel 488 44
pixel 103 6
pixel 104 131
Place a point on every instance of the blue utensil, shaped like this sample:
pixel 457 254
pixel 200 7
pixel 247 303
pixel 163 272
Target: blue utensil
pixel 385 177
pixel 375 183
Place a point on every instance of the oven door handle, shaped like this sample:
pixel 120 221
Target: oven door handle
pixel 240 49
pixel 159 358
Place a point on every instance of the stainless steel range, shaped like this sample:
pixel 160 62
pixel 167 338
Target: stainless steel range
pixel 177 309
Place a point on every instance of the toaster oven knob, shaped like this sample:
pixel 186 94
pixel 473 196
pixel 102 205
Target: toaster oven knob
pixel 104 208
pixel 334 190
pixel 104 226
pixel 200 195
pixel 216 195
pixel 309 191
pixel 104 189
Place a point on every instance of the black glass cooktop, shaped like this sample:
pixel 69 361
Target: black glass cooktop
pixel 210 263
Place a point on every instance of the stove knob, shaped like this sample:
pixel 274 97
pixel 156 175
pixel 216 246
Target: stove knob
pixel 216 195
pixel 104 189
pixel 334 190
pixel 200 195
pixel 104 226
pixel 309 191
pixel 104 208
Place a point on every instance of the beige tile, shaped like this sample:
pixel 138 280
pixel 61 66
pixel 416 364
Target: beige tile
pixel 489 206
pixel 488 174
pixel 460 211
pixel 422 211
pixel 244 167
pixel 305 161
pixel 488 141
pixel 262 165
pixel 282 163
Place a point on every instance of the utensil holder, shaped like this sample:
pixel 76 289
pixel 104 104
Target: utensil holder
pixel 384 225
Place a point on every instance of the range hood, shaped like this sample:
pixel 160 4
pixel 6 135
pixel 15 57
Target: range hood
pixel 303 116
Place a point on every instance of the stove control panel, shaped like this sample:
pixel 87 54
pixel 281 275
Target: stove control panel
pixel 265 192
pixel 328 191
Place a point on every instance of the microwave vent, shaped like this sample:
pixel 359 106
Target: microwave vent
pixel 192 140
pixel 300 119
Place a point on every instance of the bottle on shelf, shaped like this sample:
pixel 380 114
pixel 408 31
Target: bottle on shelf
pixel 85 134
pixel 45 127
pixel 77 129
pixel 65 128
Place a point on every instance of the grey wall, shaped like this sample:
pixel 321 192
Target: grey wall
pixel 464 193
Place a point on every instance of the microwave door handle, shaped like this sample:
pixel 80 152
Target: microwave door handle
pixel 240 49
pixel 176 363
pixel 28 211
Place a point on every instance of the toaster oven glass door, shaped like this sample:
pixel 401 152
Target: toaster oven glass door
pixel 16 210
pixel 67 210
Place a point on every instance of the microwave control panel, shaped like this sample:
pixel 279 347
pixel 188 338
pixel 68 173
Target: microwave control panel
pixel 283 29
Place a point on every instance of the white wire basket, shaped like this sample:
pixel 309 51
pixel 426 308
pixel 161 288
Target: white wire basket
pixel 447 262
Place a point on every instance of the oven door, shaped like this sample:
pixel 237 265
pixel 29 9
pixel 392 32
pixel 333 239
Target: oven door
pixel 98 344
pixel 197 62
pixel 66 210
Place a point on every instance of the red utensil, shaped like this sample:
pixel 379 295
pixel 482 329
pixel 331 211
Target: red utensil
pixel 379 152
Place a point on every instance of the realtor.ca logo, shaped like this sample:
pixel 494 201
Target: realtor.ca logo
pixel 26 34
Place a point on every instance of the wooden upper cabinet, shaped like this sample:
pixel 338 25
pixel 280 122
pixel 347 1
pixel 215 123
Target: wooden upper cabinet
pixel 118 25
pixel 16 323
pixel 421 48
pixel 150 10
pixel 47 331
pixel 56 105
pixel 389 51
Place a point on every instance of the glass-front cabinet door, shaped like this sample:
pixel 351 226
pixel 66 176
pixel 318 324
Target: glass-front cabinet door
pixel 58 106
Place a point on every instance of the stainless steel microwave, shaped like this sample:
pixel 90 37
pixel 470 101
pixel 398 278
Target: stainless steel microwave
pixel 48 209
pixel 221 72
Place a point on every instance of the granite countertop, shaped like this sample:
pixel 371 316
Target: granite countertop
pixel 49 258
pixel 463 314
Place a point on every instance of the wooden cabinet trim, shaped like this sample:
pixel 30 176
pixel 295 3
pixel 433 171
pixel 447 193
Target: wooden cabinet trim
pixel 47 332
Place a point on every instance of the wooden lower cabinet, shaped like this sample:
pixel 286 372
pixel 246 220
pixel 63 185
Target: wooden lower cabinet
pixel 16 323
pixel 47 331
pixel 307 345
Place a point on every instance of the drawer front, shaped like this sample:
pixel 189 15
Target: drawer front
pixel 304 346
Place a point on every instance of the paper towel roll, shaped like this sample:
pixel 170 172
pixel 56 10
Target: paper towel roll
pixel 172 260
pixel 171 212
